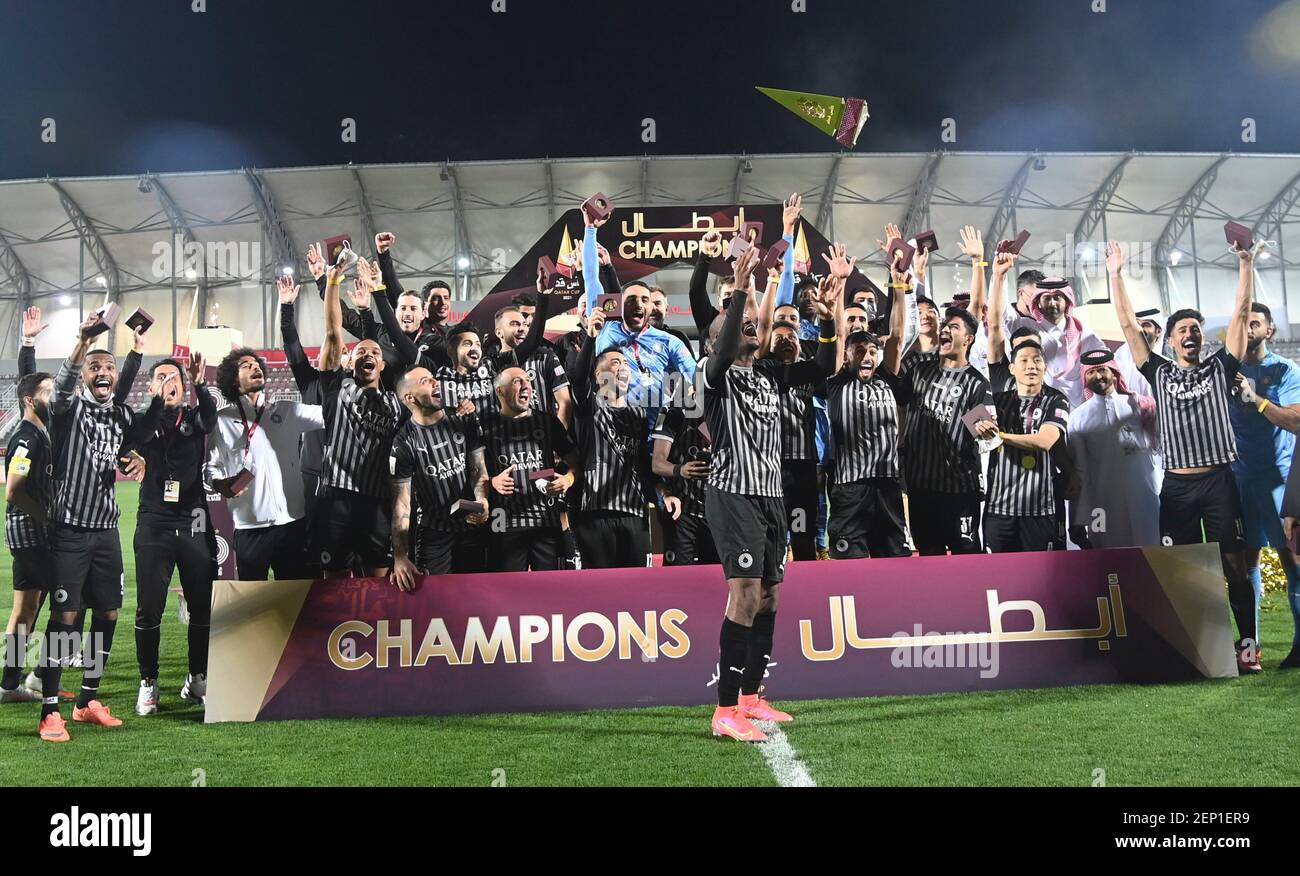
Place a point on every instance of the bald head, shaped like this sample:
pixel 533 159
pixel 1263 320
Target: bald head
pixel 514 391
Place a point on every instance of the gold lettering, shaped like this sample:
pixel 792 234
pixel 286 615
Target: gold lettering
pixel 557 638
pixel 476 639
pixel 836 651
pixel 671 622
pixel 647 638
pixel 437 643
pixel 532 631
pixel 336 640
pixel 591 655
pixel 384 643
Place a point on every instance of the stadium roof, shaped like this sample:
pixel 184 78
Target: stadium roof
pixel 471 220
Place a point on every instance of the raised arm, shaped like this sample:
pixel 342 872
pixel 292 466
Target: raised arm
pixel 591 261
pixel 205 419
pixel 65 382
pixel 304 374
pixel 789 218
pixel 728 345
pixel 581 376
pixel 331 351
pixel 384 256
pixel 536 330
pixel 369 275
pixel 1128 323
pixel 1234 340
pixel 32 326
pixel 972 244
pixel 130 368
pixel 702 309
pixel 893 355
pixel 1003 262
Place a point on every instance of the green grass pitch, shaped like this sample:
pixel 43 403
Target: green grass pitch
pixel 1235 732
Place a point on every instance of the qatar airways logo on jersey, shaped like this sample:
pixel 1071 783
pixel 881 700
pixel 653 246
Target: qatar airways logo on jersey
pixel 1189 391
pixel 445 468
pixel 526 459
pixel 939 410
pixel 375 420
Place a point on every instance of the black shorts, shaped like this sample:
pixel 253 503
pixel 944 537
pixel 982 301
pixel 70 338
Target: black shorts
pixel 283 548
pixel 611 540
pixel 749 532
pixel 85 569
pixel 866 520
pixel 350 526
pixel 1004 534
pixel 688 541
pixel 457 553
pixel 1205 507
pixel 943 522
pixel 535 549
pixel 32 568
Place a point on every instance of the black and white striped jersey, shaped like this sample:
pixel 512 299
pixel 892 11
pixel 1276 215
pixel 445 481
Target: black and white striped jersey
pixel 478 385
pixel 1192 409
pixel 938 452
pixel 799 421
pixel 615 457
pixel 864 425
pixel 688 443
pixel 86 438
pixel 530 443
pixel 31 456
pixel 744 419
pixel 547 375
pixel 438 460
pixel 1021 480
pixel 359 428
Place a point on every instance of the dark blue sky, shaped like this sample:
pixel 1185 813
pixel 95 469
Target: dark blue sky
pixel 139 85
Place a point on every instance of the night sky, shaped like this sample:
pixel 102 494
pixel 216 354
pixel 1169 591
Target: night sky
pixel 138 85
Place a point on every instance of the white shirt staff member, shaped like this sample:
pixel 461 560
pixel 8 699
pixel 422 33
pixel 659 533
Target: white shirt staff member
pixel 262 439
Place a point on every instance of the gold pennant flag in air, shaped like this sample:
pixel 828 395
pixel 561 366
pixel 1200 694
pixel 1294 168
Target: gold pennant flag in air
pixel 841 117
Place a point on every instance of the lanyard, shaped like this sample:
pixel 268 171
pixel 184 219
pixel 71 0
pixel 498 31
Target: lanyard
pixel 636 354
pixel 250 431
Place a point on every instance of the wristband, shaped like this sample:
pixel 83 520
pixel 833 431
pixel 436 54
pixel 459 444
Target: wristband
pixel 832 339
pixel 907 286
pixel 983 264
pixel 335 282
pixel 1263 403
pixel 380 288
pixel 29 342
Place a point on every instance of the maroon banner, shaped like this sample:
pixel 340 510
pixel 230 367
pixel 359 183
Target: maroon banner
pixel 638 637
pixel 643 240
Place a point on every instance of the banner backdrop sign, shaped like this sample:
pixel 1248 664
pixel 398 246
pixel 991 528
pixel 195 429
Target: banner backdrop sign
pixel 641 637
pixel 643 240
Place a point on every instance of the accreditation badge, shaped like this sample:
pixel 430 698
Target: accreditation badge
pixel 171 491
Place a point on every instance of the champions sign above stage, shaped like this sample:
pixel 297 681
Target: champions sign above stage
pixel 641 637
pixel 643 240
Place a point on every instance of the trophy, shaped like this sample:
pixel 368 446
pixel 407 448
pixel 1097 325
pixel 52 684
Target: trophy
pixel 900 254
pixel 333 245
pixel 927 241
pixel 140 320
pixel 598 207
pixel 1239 234
pixel 1014 246
pixel 109 314
pixel 775 253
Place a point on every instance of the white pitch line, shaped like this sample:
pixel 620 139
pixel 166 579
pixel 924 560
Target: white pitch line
pixel 782 759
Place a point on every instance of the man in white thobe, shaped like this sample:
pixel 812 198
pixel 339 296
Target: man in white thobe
pixel 1111 441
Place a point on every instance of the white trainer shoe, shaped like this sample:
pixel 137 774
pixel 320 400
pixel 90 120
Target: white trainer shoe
pixel 19 694
pixel 146 701
pixel 195 689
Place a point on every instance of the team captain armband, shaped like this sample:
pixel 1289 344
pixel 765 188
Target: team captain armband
pixel 20 464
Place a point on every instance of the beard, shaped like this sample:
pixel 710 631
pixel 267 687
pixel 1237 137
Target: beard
pixel 41 410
